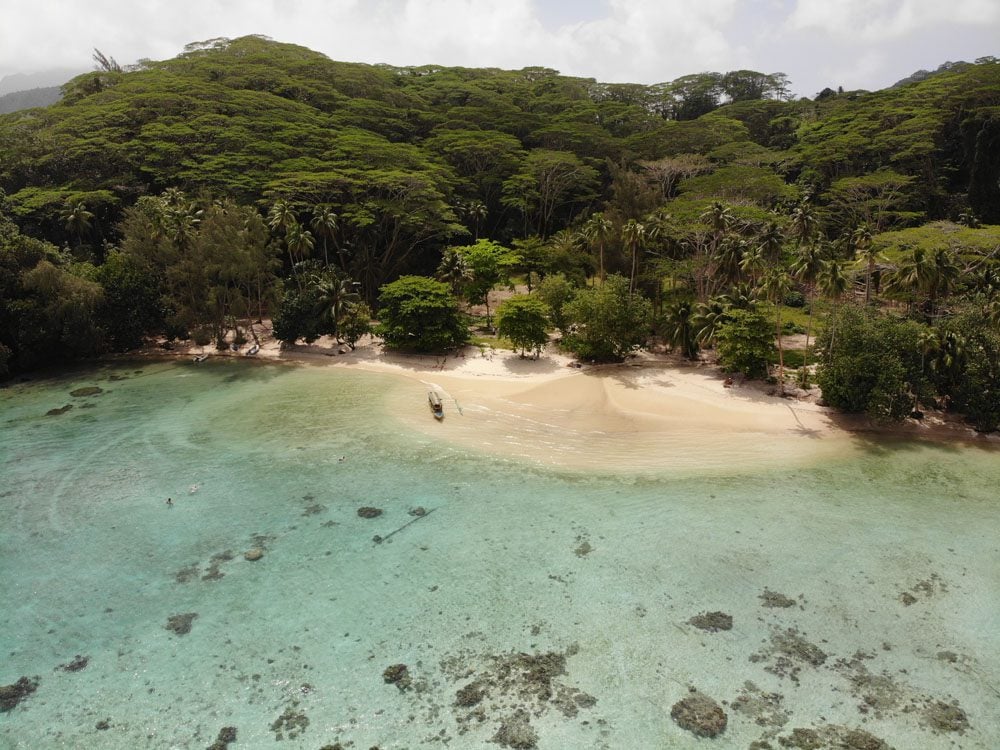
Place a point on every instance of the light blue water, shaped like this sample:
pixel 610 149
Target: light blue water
pixel 605 571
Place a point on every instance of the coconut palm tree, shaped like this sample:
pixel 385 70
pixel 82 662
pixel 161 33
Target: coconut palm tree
pixel 453 270
pixel 324 224
pixel 335 293
pixel 634 237
pixel 299 243
pixel 806 268
pixel 597 230
pixel 776 286
pixel 681 328
pixel 804 225
pixel 770 242
pixel 281 216
pixel 865 250
pixel 77 218
pixel 833 284
pixel 709 319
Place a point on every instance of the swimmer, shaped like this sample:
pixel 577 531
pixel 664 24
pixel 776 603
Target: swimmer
pixel 342 458
pixel 193 488
pixel 170 501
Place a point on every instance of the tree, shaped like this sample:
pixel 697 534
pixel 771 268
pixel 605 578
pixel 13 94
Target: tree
pixel 555 291
pixel 875 365
pixel 324 224
pixel 597 230
pixel 549 181
pixel 77 220
pixel 489 264
pixel 335 293
pixel 776 286
pixel 355 323
pixel 607 322
pixel 681 328
pixel 744 343
pixel 420 314
pixel 634 237
pixel 861 240
pixel 524 320
pixel 453 270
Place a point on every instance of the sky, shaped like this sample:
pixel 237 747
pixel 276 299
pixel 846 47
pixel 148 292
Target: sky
pixel 857 44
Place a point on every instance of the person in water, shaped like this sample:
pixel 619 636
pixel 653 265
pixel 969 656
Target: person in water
pixel 170 501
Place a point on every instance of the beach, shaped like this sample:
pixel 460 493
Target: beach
pixel 652 412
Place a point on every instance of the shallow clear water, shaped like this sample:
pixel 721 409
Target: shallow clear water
pixel 889 562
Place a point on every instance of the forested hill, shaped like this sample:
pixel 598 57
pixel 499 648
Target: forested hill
pixel 254 119
pixel 247 179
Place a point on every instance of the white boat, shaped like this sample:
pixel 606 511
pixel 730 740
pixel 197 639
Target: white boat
pixel 253 350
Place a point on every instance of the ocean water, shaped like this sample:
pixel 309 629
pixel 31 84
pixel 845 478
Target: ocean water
pixel 530 606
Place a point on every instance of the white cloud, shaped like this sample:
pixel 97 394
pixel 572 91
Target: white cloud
pixel 860 43
pixel 879 20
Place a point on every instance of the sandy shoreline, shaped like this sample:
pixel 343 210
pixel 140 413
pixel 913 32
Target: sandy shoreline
pixel 653 412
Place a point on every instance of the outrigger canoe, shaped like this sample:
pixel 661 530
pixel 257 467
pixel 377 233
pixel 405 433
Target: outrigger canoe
pixel 437 408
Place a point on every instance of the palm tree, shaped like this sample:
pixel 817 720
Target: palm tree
pixel 864 249
pixel 596 231
pixel 776 285
pixel 453 270
pixel 944 273
pixel 711 315
pixel 324 224
pixel 281 216
pixel 77 218
pixel 634 236
pixel 681 329
pixel 336 292
pixel 476 211
pixel 833 283
pixel 806 269
pixel 299 242
pixel 770 242
pixel 804 225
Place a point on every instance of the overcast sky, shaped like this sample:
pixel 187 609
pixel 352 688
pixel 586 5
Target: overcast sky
pixel 852 43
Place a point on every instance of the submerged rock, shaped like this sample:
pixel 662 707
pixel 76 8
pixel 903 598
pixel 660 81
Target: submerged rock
pixel 700 715
pixel 712 621
pixel 57 412
pixel 516 732
pixel 226 735
pixel 78 662
pixel 398 675
pixel 774 599
pixel 253 554
pixel 946 717
pixel 11 695
pixel 102 725
pixel 471 695
pixel 418 511
pixel 181 624
pixel 369 512
pixel 90 390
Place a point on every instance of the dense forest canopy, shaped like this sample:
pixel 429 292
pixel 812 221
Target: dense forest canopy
pixel 249 177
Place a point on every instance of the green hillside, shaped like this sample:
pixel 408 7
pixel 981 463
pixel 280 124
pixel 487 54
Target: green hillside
pixel 687 187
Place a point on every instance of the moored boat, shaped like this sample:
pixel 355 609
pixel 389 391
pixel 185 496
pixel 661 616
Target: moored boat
pixel 437 408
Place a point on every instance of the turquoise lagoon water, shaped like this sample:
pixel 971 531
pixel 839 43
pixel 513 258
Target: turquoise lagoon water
pixel 864 593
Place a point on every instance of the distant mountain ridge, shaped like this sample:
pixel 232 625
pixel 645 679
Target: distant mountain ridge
pixel 40 97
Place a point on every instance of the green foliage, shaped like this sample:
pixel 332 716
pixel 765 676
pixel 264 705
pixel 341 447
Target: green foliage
pixel 488 264
pixel 420 314
pixel 607 322
pixel 356 322
pixel 555 291
pixel 523 319
pixel 745 342
pixel 131 305
pixel 870 364
pixel 965 362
